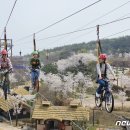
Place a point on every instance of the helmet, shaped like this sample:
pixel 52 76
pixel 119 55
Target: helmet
pixel 34 53
pixel 103 56
pixel 4 52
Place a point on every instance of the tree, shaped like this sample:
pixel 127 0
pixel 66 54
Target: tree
pixel 50 68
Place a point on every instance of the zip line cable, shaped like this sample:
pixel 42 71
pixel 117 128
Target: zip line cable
pixel 104 24
pixel 101 15
pixel 85 34
pixel 111 11
pixel 114 21
pixel 9 17
pixel 98 19
pixel 93 30
pixel 11 13
pixel 68 16
pixel 63 34
pixel 68 33
pixel 61 20
pixel 116 33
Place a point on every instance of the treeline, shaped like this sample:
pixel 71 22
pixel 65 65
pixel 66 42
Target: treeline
pixel 109 46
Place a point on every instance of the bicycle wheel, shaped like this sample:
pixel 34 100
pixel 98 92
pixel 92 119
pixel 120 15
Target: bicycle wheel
pixel 109 102
pixel 98 101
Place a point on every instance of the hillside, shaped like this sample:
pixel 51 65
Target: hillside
pixel 109 46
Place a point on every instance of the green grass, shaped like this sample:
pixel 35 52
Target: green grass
pixel 92 128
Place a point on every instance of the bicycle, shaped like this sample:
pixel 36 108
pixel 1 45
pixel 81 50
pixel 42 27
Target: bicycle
pixel 35 81
pixel 3 84
pixel 107 97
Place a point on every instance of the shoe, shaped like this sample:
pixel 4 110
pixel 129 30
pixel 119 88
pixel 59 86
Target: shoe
pixel 98 95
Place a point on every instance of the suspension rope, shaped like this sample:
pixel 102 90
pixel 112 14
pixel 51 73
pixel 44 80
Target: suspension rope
pixel 61 20
pixel 9 17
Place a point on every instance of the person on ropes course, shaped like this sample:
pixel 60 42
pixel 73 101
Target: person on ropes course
pixel 102 70
pixel 5 65
pixel 35 70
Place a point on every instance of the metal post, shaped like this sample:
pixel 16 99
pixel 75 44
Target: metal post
pixel 93 117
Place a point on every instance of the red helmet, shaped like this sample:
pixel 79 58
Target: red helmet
pixel 103 56
pixel 4 52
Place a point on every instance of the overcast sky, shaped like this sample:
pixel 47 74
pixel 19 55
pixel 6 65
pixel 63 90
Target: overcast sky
pixel 30 16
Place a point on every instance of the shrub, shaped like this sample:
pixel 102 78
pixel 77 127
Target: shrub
pixel 128 99
pixel 128 93
pixel 50 68
pixel 91 90
pixel 116 88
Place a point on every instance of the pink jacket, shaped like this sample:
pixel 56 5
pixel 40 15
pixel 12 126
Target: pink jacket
pixel 5 64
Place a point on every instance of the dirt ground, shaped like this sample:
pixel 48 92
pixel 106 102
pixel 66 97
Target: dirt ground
pixel 7 126
pixel 90 102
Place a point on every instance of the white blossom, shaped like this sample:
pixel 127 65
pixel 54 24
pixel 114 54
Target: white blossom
pixel 74 60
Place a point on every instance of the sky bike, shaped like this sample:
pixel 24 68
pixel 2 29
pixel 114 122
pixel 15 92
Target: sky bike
pixel 34 78
pixel 4 83
pixel 106 96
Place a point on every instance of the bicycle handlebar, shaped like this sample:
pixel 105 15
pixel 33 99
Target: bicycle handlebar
pixel 33 69
pixel 111 79
pixel 5 72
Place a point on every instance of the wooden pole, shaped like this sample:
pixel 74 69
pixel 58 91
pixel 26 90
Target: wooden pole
pixel 5 44
pixel 34 42
pixel 99 48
